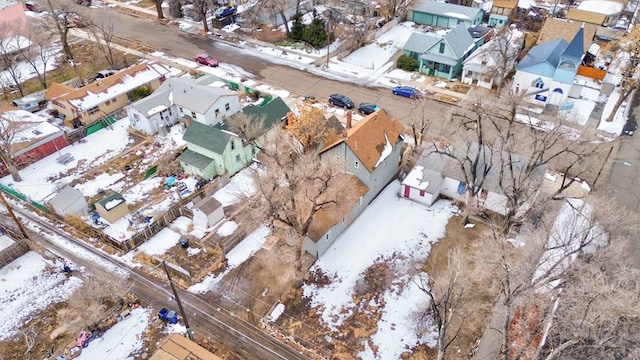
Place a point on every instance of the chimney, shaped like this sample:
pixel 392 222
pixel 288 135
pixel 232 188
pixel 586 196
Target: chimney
pixel 187 121
pixel 349 119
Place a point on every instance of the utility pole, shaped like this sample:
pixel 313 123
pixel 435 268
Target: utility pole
pixel 175 293
pixel 13 216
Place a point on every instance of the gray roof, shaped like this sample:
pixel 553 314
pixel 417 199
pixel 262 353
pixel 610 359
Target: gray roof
pixel 194 159
pixel 420 43
pixel 445 9
pixel 459 40
pixel 208 137
pixel 208 205
pixel 271 113
pixel 192 94
pixel 549 52
pixel 65 197
pixel 451 168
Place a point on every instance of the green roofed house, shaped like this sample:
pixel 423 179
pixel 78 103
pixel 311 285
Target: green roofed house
pixel 213 150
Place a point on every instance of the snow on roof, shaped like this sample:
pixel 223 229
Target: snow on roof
pixel 113 203
pixel 601 6
pixel 414 179
pixel 388 148
pixel 126 83
pixel 457 15
pixel 27 127
pixel 525 4
pixel 157 109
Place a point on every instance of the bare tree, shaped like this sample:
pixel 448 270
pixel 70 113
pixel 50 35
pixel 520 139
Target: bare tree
pixel 104 31
pixel 294 187
pixel 419 125
pixel 248 128
pixel 201 8
pixel 309 126
pixel 446 291
pixel 528 271
pixel 30 340
pixel 175 9
pixel 10 46
pixel 8 130
pixel 505 49
pixel 38 55
pixel 158 4
pixel 472 154
pixel 629 59
pixel 63 16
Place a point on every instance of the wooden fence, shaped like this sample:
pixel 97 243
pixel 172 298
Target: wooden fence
pixel 15 250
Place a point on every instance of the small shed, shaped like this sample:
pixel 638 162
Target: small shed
pixel 422 185
pixel 207 212
pixel 69 201
pixel 112 207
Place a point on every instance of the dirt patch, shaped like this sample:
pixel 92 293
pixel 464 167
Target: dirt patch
pixel 481 300
pixel 446 98
pixel 459 88
pixel 267 35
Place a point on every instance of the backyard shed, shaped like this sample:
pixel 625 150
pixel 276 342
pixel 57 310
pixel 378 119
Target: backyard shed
pixel 112 207
pixel 207 212
pixel 69 201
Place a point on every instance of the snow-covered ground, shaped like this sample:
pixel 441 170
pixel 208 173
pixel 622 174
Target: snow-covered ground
pixel 28 285
pixel 399 232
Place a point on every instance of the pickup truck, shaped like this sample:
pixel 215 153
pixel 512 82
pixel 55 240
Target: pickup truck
pixel 168 316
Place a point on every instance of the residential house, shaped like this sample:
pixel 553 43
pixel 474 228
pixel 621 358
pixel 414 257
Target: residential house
pixel 485 66
pixel 444 15
pixel 555 28
pixel 370 153
pixel 213 150
pixel 546 74
pixel 442 56
pixel 502 11
pixel 33 137
pixel 69 201
pixel 112 207
pixel 200 99
pixel 87 104
pixel 207 212
pixel 328 224
pixel 437 175
pixel 598 12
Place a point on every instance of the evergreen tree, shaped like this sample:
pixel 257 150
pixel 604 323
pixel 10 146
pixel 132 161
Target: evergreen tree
pixel 297 28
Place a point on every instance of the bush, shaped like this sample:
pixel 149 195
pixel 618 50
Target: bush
pixel 408 63
pixel 139 93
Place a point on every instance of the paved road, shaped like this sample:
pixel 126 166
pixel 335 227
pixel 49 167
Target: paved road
pixel 301 80
pixel 204 315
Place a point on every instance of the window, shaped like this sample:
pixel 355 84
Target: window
pixel 93 110
pixel 445 68
pixel 217 112
pixel 422 193
pixel 107 102
pixel 356 164
pixel 441 51
pixel 181 110
pixel 233 145
pixel 462 188
pixel 253 150
pixel 538 83
pixel 134 118
pixel 193 114
pixel 237 158
pixel 328 235
pixel 227 107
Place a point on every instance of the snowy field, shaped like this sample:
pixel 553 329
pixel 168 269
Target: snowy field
pixel 399 232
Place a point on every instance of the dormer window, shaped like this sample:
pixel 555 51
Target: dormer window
pixel 538 83
pixel 441 48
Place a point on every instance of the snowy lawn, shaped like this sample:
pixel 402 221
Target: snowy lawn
pixel 122 340
pixel 615 126
pixel 29 285
pixel 393 230
pixel 240 186
pixel 380 52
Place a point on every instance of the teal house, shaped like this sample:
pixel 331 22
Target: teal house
pixel 442 56
pixel 444 15
pixel 213 150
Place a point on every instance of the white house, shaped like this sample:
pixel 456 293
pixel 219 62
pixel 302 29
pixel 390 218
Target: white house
pixel 207 212
pixel 485 66
pixel 437 175
pixel 200 99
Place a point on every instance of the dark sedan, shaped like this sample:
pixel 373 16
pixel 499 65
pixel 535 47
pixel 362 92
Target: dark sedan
pixel 341 101
pixel 368 108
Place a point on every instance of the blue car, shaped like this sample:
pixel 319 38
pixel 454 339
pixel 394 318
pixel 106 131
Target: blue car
pixel 407 91
pixel 368 108
pixel 225 11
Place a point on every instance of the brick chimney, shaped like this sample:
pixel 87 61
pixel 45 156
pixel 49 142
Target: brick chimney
pixel 349 115
pixel 187 121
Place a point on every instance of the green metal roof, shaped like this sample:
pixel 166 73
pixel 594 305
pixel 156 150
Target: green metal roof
pixel 208 137
pixel 273 112
pixel 106 199
pixel 194 159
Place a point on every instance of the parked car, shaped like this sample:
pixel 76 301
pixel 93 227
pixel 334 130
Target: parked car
pixel 206 59
pixel 81 341
pixel 368 108
pixel 31 6
pixel 406 91
pixel 225 11
pixel 630 127
pixel 341 101
pixel 104 74
pixel 167 315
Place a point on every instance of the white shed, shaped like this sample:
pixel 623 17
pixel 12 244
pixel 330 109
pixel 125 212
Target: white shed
pixel 207 212
pixel 69 201
pixel 422 185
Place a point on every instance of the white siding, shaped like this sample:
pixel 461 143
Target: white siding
pixel 522 82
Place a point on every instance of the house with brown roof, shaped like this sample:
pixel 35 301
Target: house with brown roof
pixel 599 12
pixel 178 347
pixel 502 11
pixel 87 104
pixel 370 153
pixel 555 28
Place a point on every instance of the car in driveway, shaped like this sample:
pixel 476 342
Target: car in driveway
pixel 630 127
pixel 341 101
pixel 225 11
pixel 407 91
pixel 366 108
pixel 206 59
